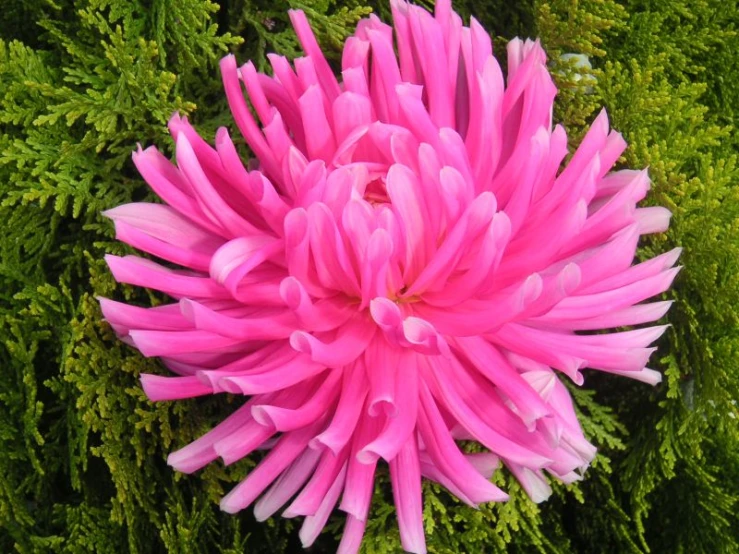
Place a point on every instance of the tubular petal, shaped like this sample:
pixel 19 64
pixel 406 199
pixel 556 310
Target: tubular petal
pixel 405 475
pixel 289 447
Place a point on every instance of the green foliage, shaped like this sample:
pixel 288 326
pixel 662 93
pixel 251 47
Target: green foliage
pixel 669 81
pixel 83 466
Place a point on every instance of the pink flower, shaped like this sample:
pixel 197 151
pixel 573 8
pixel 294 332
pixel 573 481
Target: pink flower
pixel 407 265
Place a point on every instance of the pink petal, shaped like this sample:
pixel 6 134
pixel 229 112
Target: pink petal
pixel 310 501
pixel 447 457
pixel 405 475
pixel 161 318
pixel 286 486
pixel 137 271
pixel 311 48
pixel 243 117
pixel 287 449
pixel 161 231
pixel 159 388
pixel 398 429
pixel 320 139
pixel 350 341
pixel 286 419
pixel 199 453
pixel 347 414
pixel 351 538
pixel 384 360
pixel 314 524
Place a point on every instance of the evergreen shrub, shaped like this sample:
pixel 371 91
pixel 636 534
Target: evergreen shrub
pixel 83 467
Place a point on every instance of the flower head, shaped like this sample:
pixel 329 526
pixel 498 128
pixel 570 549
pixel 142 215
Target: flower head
pixel 408 264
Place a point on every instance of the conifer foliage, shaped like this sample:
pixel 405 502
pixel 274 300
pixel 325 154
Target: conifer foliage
pixel 83 464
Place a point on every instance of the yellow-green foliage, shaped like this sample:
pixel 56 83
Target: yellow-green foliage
pixel 83 465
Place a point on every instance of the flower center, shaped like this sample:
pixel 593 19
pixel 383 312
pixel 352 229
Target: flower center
pixel 376 192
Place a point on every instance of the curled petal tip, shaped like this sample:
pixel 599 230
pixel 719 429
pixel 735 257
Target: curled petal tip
pixel 228 385
pixel 569 278
pixel 532 289
pixel 222 135
pixel 384 406
pixel 302 342
pixel 261 415
pixel 291 292
pixel 385 312
pixel 367 457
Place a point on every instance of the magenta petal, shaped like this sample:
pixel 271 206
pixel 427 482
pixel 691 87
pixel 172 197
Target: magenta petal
pixel 350 341
pixel 170 185
pixel 655 219
pixel 284 452
pixel 488 360
pixel 242 442
pixel 459 406
pixel 137 271
pixel 405 475
pixel 314 523
pixel 286 419
pixel 201 452
pixel 360 473
pixel 385 360
pixel 331 468
pixel 162 318
pixel 287 485
pixel 447 457
pixel 244 119
pixel 288 374
pixel 211 203
pixel 533 482
pixel 310 46
pixel 347 414
pixel 275 325
pixel 351 539
pixel 320 138
pixel 173 388
pixel 164 343
pixel 398 428
pixel 162 231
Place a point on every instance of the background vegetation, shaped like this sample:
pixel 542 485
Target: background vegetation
pixel 83 468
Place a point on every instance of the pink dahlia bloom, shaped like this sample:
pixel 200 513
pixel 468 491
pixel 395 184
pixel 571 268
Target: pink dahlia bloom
pixel 406 264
